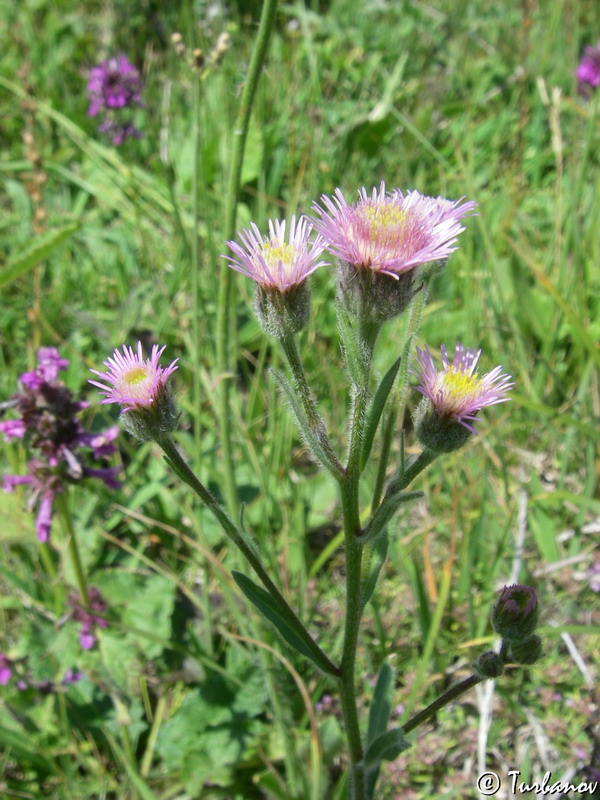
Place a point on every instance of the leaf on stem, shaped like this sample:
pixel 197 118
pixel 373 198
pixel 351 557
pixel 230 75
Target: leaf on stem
pixel 381 707
pixel 386 747
pixel 376 409
pixel 279 617
pixel 308 432
pixel 377 554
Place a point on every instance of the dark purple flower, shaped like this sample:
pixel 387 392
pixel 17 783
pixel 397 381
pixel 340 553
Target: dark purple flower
pixel 119 131
pixel 49 426
pixel 588 71
pixel 114 83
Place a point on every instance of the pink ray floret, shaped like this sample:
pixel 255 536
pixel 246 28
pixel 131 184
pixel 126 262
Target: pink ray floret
pixel 273 262
pixel 458 391
pixel 131 380
pixel 390 232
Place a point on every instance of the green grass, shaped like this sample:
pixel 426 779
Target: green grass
pixel 480 103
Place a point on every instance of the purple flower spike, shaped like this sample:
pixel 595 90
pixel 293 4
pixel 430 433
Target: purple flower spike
pixel 114 83
pixel 274 263
pixel 588 71
pixel 131 380
pixel 457 391
pixel 390 232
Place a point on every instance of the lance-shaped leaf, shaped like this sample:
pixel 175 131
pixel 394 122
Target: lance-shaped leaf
pixel 314 436
pixel 377 551
pixel 379 714
pixel 387 508
pixel 385 747
pixel 375 411
pixel 41 247
pixel 280 618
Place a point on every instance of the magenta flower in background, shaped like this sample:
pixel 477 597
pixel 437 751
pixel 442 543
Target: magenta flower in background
pixel 390 232
pixel 87 638
pixel 457 391
pixel 273 262
pixel 5 670
pixel 131 380
pixel 114 83
pixel 588 71
pixel 61 449
pixel 115 87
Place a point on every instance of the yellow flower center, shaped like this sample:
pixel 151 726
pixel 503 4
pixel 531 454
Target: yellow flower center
pixel 136 376
pixel 459 385
pixel 384 217
pixel 279 252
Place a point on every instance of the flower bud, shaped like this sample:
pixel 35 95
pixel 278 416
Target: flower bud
pixel 516 613
pixel 374 296
pixel 526 652
pixel 439 432
pixel 489 665
pixel 282 313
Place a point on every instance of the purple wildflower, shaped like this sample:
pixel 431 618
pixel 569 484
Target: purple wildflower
pixel 5 669
pixel 274 263
pixel 72 676
pixel 458 391
pixel 88 620
pixel 49 426
pixel 588 71
pixel 114 86
pixel 114 83
pixel 390 232
pixel 131 380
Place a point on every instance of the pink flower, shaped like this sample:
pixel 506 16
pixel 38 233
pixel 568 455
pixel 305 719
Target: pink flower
pixel 458 391
pixel 390 232
pixel 132 381
pixel 273 262
pixel 588 71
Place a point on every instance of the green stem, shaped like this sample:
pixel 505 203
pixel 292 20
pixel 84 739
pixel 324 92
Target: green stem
pixel 443 700
pixel 421 462
pixel 62 505
pixel 196 392
pixel 247 549
pixel 224 302
pixel 349 486
pixel 315 420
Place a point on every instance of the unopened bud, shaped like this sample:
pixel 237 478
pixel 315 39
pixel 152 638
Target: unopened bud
pixel 489 665
pixel 516 613
pixel 526 652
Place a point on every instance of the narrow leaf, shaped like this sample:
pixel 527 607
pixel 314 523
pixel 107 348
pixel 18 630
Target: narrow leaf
pixel 278 616
pixel 307 432
pixel 381 707
pixel 41 247
pixel 385 512
pixel 376 409
pixel 378 552
pixel 386 747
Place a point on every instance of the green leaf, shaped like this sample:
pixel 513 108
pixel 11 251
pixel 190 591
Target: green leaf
pixel 41 247
pixel 386 747
pixel 307 432
pixel 379 713
pixel 378 552
pixel 384 514
pixel 376 409
pixel 278 616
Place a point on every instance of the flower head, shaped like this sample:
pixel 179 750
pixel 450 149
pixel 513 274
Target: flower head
pixel 131 380
pixel 390 232
pixel 87 637
pixel 274 263
pixel 458 391
pixel 114 83
pixel 5 669
pixel 588 71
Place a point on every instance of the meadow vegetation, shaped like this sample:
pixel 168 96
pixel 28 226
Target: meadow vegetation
pixel 188 693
